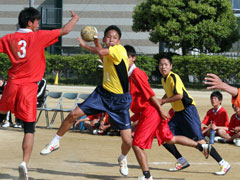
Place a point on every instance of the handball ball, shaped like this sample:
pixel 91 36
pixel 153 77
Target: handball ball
pixel 88 33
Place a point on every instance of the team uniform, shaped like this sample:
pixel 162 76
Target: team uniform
pixel 113 96
pixel 28 66
pixel 150 122
pixel 186 120
pixel 218 117
pixel 235 121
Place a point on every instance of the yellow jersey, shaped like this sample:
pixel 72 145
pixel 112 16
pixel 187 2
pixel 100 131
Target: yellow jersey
pixel 115 70
pixel 173 85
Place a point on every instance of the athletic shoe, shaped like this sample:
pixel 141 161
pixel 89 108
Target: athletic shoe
pixel 49 148
pixel 143 178
pixel 6 124
pixel 206 150
pixel 17 126
pixel 23 172
pixel 123 166
pixel 223 169
pixel 179 166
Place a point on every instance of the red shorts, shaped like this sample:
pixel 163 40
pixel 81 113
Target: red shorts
pixel 150 125
pixel 20 100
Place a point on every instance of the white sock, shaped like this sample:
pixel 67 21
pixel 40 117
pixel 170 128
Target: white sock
pixel 222 162
pixel 56 139
pixel 121 157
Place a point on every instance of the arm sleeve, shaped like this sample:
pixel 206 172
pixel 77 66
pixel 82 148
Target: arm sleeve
pixel 117 53
pixel 141 80
pixel 236 100
pixel 48 37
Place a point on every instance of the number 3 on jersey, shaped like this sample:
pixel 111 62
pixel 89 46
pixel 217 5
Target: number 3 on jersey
pixel 23 45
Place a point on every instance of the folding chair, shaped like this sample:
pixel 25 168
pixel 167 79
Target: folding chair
pixel 83 96
pixel 65 103
pixel 47 107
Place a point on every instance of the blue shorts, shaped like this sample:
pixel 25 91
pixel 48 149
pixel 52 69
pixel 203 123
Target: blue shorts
pixel 116 105
pixel 187 123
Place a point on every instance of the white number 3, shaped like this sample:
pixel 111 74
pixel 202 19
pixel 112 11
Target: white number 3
pixel 23 48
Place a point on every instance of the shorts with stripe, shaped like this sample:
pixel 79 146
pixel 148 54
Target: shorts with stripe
pixel 20 100
pixel 116 105
pixel 187 123
pixel 151 124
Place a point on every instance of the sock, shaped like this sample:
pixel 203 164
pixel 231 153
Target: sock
pixel 121 157
pixel 215 155
pixel 181 160
pixel 222 162
pixel 2 117
pixel 199 147
pixel 56 139
pixel 173 150
pixel 146 174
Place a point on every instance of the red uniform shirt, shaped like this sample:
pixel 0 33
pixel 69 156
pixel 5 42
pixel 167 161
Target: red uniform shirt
pixel 25 49
pixel 235 121
pixel 140 91
pixel 219 118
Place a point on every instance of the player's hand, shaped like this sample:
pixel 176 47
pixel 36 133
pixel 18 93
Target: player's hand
pixel 77 122
pixel 73 14
pixel 160 101
pixel 214 127
pixel 214 81
pixel 82 43
pixel 165 115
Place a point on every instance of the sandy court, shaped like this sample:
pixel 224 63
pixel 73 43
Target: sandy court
pixel 92 157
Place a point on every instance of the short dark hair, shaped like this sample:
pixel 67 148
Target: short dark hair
pixel 113 27
pixel 165 56
pixel 1 77
pixel 217 94
pixel 28 14
pixel 130 50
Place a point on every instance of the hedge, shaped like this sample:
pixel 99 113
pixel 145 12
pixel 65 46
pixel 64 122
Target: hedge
pixel 84 68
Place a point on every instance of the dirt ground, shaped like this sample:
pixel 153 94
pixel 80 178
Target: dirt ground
pixel 91 157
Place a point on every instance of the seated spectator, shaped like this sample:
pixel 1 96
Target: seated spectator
pixel 216 118
pixel 96 124
pixel 234 128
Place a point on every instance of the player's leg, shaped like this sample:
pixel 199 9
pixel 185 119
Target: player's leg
pixel 126 136
pixel 2 115
pixel 65 126
pixel 27 146
pixel 192 129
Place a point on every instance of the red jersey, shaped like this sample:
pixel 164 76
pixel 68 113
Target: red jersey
pixel 25 49
pixel 235 121
pixel 140 90
pixel 219 117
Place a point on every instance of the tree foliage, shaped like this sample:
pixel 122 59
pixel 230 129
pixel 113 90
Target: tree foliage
pixel 207 25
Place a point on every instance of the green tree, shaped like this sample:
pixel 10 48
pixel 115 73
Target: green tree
pixel 207 25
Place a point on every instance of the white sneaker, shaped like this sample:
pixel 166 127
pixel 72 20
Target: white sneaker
pixel 206 149
pixel 6 124
pixel 49 148
pixel 143 178
pixel 223 169
pixel 23 172
pixel 123 166
pixel 179 166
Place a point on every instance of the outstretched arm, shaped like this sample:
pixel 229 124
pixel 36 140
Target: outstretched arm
pixel 216 83
pixel 70 24
pixel 96 50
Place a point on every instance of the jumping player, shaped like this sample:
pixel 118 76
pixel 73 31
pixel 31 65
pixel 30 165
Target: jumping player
pixel 25 49
pixel 111 97
pixel 152 120
pixel 186 119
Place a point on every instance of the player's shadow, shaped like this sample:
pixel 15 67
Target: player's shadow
pixel 10 177
pixel 104 164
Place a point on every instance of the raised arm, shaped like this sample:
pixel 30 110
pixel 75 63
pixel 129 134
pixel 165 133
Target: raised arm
pixel 216 83
pixel 70 24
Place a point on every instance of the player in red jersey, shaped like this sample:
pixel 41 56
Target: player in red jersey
pixel 152 120
pixel 25 49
